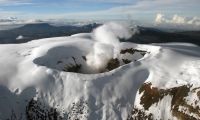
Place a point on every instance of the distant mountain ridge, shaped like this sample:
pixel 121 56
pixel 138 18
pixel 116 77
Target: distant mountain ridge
pixel 146 35
pixel 42 30
pixel 152 35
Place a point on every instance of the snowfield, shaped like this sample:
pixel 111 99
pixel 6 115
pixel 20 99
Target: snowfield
pixel 94 76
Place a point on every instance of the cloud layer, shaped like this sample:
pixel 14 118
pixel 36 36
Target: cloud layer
pixel 178 22
pixel 15 2
pixel 15 20
pixel 142 12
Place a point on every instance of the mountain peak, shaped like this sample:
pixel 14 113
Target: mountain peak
pixel 37 25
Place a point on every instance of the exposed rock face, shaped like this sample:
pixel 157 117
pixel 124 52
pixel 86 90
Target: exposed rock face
pixel 36 111
pixel 150 96
pixel 77 64
pixel 132 51
pixel 78 110
pixel 180 107
pixel 137 114
pixel 72 67
pixel 112 64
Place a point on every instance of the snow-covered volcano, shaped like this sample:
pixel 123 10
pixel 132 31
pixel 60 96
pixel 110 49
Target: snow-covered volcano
pixel 94 76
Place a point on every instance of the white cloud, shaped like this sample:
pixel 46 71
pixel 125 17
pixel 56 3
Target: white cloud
pixel 14 2
pixel 15 21
pixel 139 10
pixel 177 21
pixel 159 18
pixel 5 14
pixel 8 1
pixel 108 1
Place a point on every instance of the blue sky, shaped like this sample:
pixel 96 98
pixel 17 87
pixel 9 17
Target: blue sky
pixel 60 6
pixel 98 9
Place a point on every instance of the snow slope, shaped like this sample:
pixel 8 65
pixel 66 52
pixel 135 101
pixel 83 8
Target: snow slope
pixel 34 81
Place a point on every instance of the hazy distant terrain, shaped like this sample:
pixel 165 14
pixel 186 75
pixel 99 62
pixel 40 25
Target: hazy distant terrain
pixel 41 30
pixel 151 35
pixel 44 30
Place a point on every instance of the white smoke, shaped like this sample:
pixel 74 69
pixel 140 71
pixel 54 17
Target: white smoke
pixel 107 44
pixel 111 32
pixel 178 22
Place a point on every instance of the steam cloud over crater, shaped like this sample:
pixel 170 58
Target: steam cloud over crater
pixel 107 45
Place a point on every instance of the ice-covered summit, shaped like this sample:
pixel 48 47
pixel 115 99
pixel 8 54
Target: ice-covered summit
pixel 95 76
